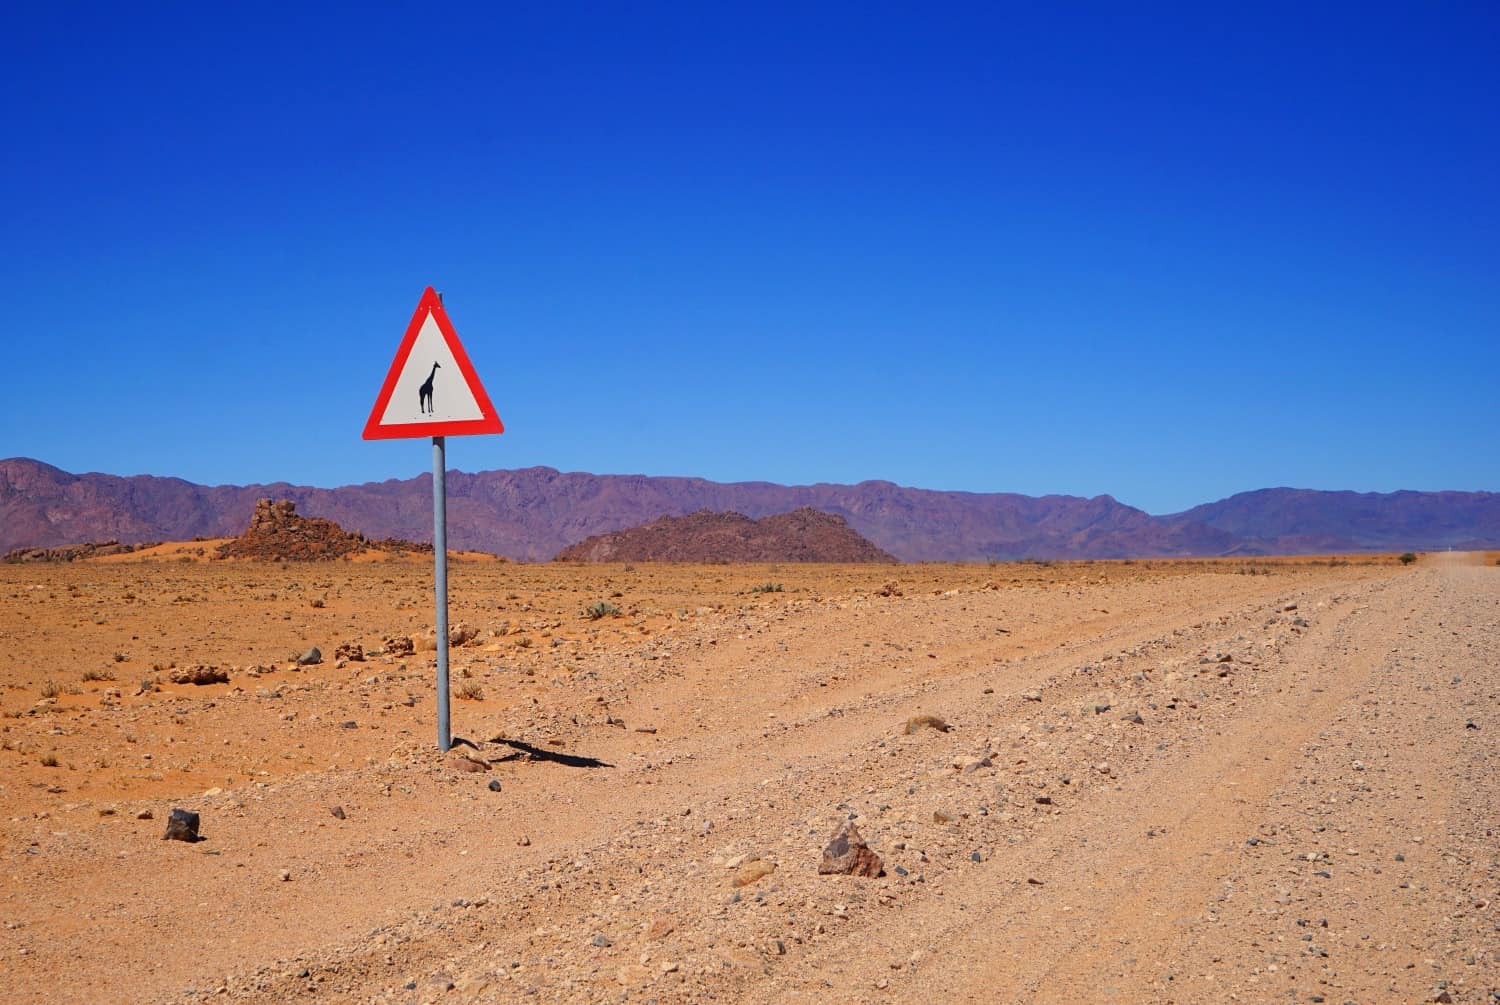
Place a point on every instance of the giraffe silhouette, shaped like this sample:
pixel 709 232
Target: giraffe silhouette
pixel 424 396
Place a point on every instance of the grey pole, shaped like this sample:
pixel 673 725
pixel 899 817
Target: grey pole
pixel 440 569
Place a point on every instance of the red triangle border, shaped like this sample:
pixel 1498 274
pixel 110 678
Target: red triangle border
pixel 488 422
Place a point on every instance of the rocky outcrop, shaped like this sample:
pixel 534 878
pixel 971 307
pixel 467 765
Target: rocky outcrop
pixel 803 535
pixel 276 534
pixel 72 552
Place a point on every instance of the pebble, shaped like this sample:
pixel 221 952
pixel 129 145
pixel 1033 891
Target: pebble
pixel 286 875
pixel 494 785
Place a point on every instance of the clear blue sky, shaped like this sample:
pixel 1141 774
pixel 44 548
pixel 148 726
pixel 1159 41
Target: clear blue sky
pixel 1162 252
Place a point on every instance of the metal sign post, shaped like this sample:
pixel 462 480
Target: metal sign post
pixel 432 390
pixel 440 583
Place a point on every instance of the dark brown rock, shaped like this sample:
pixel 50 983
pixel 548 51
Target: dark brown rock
pixel 182 825
pixel 848 855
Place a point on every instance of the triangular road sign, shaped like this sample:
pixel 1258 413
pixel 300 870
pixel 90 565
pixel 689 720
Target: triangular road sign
pixel 432 389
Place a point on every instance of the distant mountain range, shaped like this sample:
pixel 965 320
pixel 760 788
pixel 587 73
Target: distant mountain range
pixel 533 513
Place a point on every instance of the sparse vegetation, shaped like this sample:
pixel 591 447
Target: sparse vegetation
pixel 766 588
pixel 601 609
pixel 1407 558
pixel 51 689
pixel 49 760
pixel 469 690
pixel 93 674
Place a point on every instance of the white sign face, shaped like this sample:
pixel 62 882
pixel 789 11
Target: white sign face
pixel 431 387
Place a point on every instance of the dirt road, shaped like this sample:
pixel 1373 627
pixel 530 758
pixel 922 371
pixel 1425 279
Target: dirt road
pixel 1162 784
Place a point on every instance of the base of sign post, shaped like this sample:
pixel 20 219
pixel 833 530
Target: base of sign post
pixel 440 589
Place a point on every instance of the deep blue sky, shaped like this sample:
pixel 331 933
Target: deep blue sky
pixel 1163 252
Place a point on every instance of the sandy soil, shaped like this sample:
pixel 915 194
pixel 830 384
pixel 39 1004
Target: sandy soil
pixel 1305 810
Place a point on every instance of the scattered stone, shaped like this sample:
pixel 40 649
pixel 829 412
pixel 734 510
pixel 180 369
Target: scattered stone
pixel 285 875
pixel 969 765
pixel 1031 696
pixel 1101 709
pixel 494 785
pixel 399 645
pixel 601 941
pixel 660 929
pixel 753 872
pixel 1135 718
pixel 199 675
pixel 312 657
pixel 848 855
pixel 182 825
pixel 462 634
pixel 523 841
pixel 632 974
pixel 1044 800
pixel 144 815
pixel 465 761
pixel 337 811
pixel 351 651
pixel 919 722
pixel 975 857
pixel 1032 880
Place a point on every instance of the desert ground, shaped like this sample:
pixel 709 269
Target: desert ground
pixel 1190 781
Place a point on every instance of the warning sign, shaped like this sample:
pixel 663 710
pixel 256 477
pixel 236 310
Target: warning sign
pixel 431 389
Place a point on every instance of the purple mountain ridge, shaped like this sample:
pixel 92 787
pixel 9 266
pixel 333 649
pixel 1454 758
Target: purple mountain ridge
pixel 533 513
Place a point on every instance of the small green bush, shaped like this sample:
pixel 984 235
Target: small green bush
pixel 1408 558
pixel 600 609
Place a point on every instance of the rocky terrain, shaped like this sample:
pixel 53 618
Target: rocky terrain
pixel 1131 782
pixel 803 535
pixel 533 513
pixel 277 533
pixel 73 552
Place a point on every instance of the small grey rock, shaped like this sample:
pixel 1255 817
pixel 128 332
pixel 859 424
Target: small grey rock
pixel 312 657
pixel 494 785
